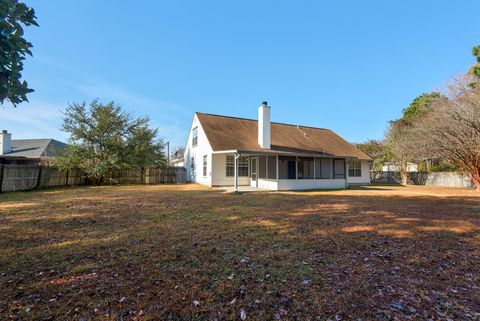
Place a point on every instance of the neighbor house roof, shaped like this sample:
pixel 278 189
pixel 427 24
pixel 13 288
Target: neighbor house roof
pixel 230 133
pixel 34 148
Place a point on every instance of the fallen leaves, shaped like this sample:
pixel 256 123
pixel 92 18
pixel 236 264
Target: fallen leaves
pixel 174 253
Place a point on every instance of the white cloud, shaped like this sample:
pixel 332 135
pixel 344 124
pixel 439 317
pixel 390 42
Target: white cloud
pixel 37 119
pixel 42 117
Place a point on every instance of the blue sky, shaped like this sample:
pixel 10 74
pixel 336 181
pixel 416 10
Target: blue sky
pixel 346 65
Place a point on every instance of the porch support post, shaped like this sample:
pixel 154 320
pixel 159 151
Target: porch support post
pixel 235 173
pixel 296 167
pixel 277 168
pixel 346 172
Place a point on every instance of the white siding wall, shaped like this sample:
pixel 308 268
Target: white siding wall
pixel 197 152
pixel 365 178
pixel 219 172
pixel 268 184
pixel 299 184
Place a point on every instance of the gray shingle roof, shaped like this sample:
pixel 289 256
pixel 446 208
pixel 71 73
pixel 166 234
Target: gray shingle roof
pixel 34 148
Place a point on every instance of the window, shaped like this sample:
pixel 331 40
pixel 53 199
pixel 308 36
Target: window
pixel 339 168
pixel 205 166
pixel 242 166
pixel 322 168
pixel 194 136
pixel 305 168
pixel 355 169
pixel 272 167
pixel 192 166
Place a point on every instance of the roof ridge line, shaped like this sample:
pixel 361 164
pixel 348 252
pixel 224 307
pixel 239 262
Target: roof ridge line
pixel 255 120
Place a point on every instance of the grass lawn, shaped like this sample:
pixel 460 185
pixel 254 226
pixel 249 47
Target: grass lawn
pixel 188 253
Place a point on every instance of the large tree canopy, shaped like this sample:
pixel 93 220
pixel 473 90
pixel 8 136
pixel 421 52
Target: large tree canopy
pixel 13 49
pixel 451 129
pixel 420 105
pixel 476 67
pixel 104 139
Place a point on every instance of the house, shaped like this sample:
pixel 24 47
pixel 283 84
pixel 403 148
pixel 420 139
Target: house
pixel 27 151
pixel 230 151
pixel 177 162
pixel 393 167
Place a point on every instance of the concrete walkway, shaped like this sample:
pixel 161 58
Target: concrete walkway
pixel 242 189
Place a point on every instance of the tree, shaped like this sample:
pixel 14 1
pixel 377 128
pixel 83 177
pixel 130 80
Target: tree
pixel 476 67
pixel 178 153
pixel 399 145
pixel 451 129
pixel 13 49
pixel 104 139
pixel 420 105
pixel 402 141
pixel 377 151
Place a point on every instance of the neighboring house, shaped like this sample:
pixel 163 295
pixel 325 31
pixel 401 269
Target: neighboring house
pixel 392 167
pixel 27 151
pixel 230 151
pixel 178 162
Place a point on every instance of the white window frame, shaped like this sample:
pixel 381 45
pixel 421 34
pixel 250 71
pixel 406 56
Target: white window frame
pixel 356 168
pixel 242 166
pixel 204 169
pixel 192 165
pixel 195 136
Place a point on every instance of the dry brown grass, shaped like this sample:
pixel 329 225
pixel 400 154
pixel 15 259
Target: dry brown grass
pixel 187 253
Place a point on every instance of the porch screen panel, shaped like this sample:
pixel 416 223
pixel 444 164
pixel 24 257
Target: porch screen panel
pixel 324 172
pixel 318 167
pixel 286 167
pixel 262 167
pixel 272 167
pixel 305 168
pixel 339 168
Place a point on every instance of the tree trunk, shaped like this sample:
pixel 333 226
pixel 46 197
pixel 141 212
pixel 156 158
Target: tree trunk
pixel 473 171
pixel 404 172
pixel 404 177
pixel 476 180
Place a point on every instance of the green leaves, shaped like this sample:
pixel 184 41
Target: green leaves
pixel 476 67
pixel 104 139
pixel 420 105
pixel 13 49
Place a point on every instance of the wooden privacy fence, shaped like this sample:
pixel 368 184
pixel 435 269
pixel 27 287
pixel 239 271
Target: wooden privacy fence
pixel 26 177
pixel 162 175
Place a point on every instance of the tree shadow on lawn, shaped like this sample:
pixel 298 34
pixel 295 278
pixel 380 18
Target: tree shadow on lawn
pixel 154 254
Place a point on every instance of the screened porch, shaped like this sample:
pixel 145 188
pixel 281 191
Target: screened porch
pixel 281 172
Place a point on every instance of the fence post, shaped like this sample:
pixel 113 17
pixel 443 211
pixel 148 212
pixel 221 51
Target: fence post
pixel 66 177
pixel 39 176
pixel 2 172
